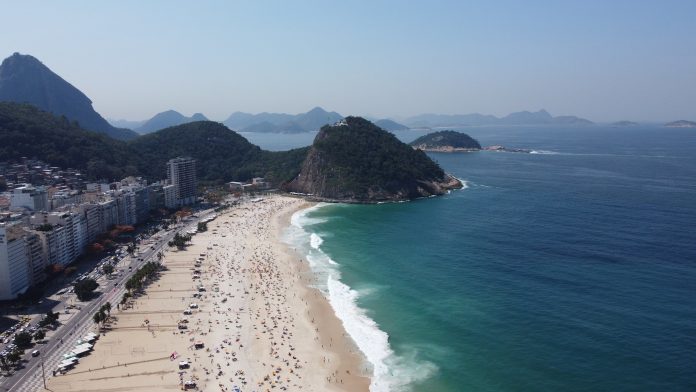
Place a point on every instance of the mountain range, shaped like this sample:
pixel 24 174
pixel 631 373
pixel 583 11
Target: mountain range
pixel 167 119
pixel 282 122
pixel 541 117
pixel 25 79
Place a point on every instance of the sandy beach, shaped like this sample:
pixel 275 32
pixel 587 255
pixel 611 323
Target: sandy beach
pixel 258 325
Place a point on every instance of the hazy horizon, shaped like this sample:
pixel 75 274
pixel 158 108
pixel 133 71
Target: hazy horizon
pixel 604 62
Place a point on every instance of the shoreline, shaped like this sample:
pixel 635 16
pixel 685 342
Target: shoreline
pixel 260 322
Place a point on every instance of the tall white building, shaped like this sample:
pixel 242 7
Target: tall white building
pixel 27 196
pixel 181 172
pixel 14 262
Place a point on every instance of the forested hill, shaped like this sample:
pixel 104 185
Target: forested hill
pixel 446 140
pixel 222 154
pixel 356 161
pixel 26 131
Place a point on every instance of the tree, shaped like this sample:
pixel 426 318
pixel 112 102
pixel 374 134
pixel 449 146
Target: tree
pixel 52 317
pixel 84 288
pixel 99 317
pixel 39 335
pixel 14 356
pixel 4 364
pixel 23 340
pixel 108 269
pixel 180 241
pixel 106 308
pixel 49 319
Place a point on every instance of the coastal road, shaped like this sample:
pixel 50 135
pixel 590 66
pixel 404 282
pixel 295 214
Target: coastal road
pixel 30 378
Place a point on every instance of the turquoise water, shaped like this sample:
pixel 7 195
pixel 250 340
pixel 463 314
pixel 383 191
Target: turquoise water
pixel 569 270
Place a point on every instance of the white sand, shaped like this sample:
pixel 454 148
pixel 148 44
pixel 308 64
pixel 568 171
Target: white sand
pixel 263 329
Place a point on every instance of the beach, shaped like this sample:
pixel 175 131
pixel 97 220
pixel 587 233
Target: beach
pixel 258 325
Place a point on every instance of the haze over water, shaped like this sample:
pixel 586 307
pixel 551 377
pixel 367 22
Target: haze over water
pixel 572 269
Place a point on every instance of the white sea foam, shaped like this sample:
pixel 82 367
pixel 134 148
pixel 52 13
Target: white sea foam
pixel 465 183
pixel 390 373
pixel 545 152
pixel 315 241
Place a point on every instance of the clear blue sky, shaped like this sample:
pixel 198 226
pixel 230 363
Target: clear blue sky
pixel 602 59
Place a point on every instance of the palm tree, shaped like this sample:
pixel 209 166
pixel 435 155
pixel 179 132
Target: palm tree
pixel 99 317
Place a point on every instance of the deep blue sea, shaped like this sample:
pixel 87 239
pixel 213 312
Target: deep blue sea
pixel 572 269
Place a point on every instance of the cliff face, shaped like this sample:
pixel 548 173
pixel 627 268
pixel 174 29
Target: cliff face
pixel 356 161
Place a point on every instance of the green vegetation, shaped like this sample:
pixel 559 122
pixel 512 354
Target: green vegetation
pixel 180 241
pixel 23 340
pixel 222 155
pixel 49 319
pixel 142 276
pixel 85 288
pixel 357 160
pixel 14 357
pixel 39 335
pixel 108 269
pixel 29 132
pixel 446 139
pixel 202 227
pixel 102 315
pixel 99 317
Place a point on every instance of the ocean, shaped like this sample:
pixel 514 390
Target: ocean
pixel 569 269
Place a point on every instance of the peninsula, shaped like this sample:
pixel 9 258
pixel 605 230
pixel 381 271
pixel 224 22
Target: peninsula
pixel 356 161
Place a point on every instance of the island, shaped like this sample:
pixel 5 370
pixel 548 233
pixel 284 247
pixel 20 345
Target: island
pixel 355 161
pixel 446 141
pixel 506 149
pixel 681 124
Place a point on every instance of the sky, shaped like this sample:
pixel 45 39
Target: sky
pixel 604 60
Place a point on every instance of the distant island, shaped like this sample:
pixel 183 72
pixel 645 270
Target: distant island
pixel 620 124
pixel 356 161
pixel 446 141
pixel 390 125
pixel 681 124
pixel 541 117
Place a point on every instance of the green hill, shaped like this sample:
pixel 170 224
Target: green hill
pixel 446 141
pixel 222 154
pixel 26 131
pixel 354 160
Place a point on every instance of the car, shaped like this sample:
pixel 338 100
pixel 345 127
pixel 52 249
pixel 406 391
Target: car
pixel 35 353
